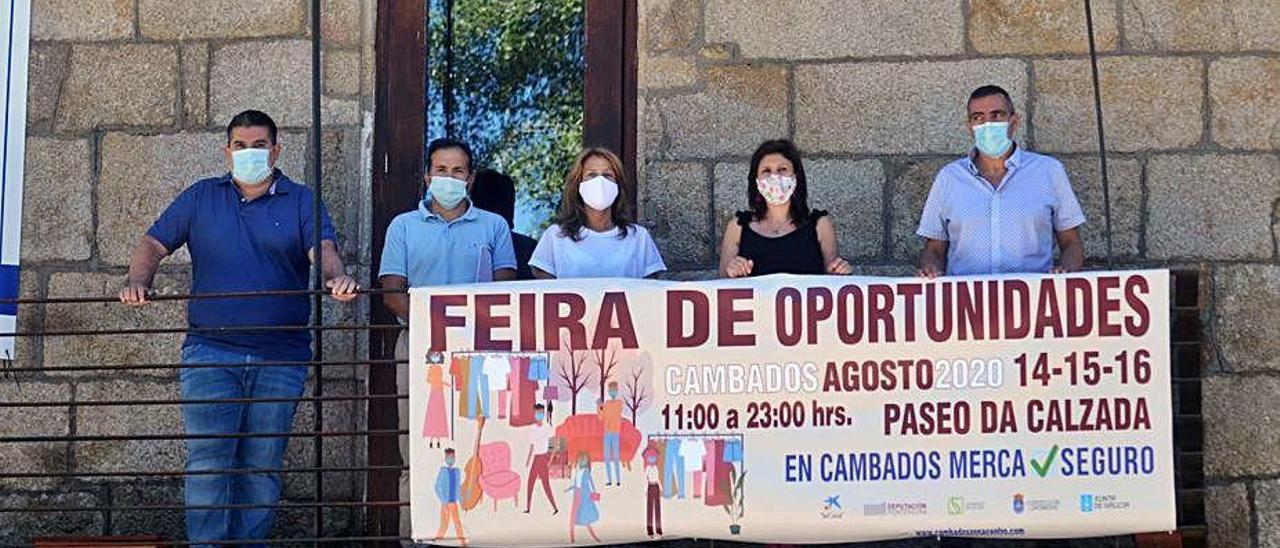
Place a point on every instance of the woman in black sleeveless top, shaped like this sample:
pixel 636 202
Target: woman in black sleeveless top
pixel 780 234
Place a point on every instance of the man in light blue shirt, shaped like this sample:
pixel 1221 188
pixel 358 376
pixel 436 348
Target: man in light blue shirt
pixel 1001 208
pixel 445 241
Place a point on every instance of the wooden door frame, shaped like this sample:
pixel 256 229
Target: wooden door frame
pixel 609 120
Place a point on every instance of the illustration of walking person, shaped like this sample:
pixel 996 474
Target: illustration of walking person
pixel 611 419
pixel 436 426
pixel 448 490
pixel 653 493
pixel 539 459
pixel 585 511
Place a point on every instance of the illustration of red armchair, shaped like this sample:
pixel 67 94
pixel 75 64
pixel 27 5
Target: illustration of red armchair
pixel 497 480
pixel 585 434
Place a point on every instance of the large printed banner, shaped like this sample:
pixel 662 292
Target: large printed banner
pixel 791 409
pixel 16 15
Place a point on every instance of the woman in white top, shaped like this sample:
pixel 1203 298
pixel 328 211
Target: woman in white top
pixel 594 236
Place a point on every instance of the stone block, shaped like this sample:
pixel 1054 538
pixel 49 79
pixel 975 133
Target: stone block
pixel 1247 303
pixel 220 19
pixel 57 200
pixel 340 21
pixel 108 350
pixel 1201 25
pixel 1147 103
pixel 833 28
pixel 1039 27
pixel 910 188
pixel 1124 176
pixel 46 69
pixel 1227 511
pixel 1244 99
pixel 142 174
pixel 895 108
pixel 671 207
pixel 341 71
pixel 667 71
pixel 27 457
pixel 728 196
pixel 1242 414
pixel 119 85
pixel 81 20
pixel 853 193
pixel 1233 197
pixel 670 24
pixel 151 492
pixel 342 186
pixel 195 85
pixel 1267 503
pixel 339 451
pixel 238 69
pixel 30 319
pixel 740 107
pixel 19 528
pixel 131 420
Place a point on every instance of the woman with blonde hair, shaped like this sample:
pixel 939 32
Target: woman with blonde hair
pixel 594 235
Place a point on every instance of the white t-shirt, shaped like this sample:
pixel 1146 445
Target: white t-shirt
pixel 598 254
pixel 540 438
pixel 497 369
pixel 692 450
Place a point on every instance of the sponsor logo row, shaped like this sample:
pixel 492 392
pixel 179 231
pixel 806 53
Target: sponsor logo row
pixel 1019 504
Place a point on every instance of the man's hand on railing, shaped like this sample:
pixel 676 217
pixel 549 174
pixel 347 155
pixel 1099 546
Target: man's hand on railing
pixel 134 294
pixel 343 288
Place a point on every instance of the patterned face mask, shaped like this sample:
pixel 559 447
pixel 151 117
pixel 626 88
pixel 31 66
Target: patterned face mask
pixel 776 189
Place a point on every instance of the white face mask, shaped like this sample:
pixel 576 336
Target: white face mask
pixel 251 166
pixel 598 192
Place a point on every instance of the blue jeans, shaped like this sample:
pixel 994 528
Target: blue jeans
pixel 241 381
pixel 612 452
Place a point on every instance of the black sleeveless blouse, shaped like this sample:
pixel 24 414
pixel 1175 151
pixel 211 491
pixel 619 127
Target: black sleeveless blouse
pixel 797 252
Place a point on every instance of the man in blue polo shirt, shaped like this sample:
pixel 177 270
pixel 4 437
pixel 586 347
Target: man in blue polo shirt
pixel 1001 208
pixel 248 230
pixel 445 241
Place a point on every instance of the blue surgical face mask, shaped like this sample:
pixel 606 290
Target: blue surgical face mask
pixel 448 461
pixel 613 393
pixel 992 139
pixel 251 166
pixel 539 416
pixel 447 191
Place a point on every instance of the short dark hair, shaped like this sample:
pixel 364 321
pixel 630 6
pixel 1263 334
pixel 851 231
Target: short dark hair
pixel 987 91
pixel 449 451
pixel 539 407
pixel 496 193
pixel 799 209
pixel 252 118
pixel 447 143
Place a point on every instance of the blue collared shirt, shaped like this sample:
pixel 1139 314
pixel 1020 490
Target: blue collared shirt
pixel 1006 228
pixel 239 245
pixel 428 250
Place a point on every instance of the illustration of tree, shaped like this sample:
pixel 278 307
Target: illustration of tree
pixel 606 361
pixel 574 374
pixel 636 393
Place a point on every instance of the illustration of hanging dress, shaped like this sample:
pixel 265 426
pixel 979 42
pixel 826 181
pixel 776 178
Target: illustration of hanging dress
pixel 437 423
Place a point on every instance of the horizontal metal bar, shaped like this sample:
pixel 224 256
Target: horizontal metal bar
pixel 169 507
pixel 179 365
pixel 109 403
pixel 219 329
pixel 234 435
pixel 201 296
pixel 177 473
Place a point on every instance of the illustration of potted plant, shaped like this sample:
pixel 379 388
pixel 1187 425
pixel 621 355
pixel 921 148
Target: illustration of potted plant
pixel 736 506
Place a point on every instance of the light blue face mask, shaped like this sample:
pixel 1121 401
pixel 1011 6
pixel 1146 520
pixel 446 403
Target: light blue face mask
pixel 251 166
pixel 992 139
pixel 447 191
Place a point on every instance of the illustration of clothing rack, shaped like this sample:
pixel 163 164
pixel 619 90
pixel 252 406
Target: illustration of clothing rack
pixel 710 458
pixel 514 379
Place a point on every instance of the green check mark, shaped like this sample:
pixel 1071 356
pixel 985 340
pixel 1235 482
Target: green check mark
pixel 1042 469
